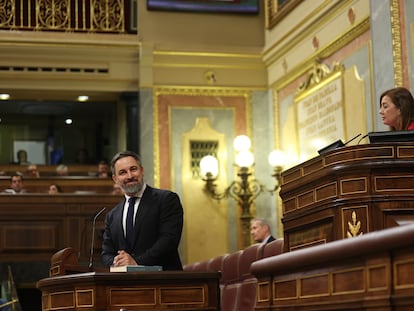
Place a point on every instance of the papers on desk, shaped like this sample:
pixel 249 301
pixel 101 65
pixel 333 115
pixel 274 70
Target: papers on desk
pixel 134 268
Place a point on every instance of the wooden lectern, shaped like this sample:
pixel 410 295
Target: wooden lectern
pixel 165 290
pixel 348 192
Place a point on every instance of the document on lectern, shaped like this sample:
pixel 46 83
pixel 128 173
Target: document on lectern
pixel 134 268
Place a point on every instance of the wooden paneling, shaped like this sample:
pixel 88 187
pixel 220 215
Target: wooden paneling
pixel 354 190
pixel 166 290
pixel 373 272
pixel 35 226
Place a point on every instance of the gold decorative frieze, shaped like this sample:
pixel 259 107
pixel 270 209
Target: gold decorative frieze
pixel 68 15
pixel 396 42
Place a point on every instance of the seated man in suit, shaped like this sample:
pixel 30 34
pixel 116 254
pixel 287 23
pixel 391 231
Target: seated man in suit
pixel 260 231
pixel 16 185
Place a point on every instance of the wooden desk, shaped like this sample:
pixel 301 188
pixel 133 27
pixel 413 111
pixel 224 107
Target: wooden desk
pixel 348 192
pixel 166 290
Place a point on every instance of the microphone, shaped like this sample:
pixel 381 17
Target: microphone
pixel 359 141
pixel 93 238
pixel 335 145
pixel 352 139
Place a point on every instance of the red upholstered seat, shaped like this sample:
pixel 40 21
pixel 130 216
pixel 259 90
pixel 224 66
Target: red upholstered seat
pixel 247 297
pixel 201 266
pixel 216 263
pixel 231 282
pixel 238 285
pixel 250 254
pixel 273 248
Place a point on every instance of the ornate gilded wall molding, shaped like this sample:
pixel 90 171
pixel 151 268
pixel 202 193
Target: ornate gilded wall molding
pixel 325 52
pixel 396 42
pixel 275 11
pixel 166 98
pixel 69 15
pixel 318 73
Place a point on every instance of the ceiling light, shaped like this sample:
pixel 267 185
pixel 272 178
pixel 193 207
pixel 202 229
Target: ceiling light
pixel 4 96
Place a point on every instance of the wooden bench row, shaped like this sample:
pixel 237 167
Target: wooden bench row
pixel 50 170
pixel 68 184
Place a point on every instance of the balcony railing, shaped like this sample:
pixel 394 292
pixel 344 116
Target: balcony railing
pixel 98 16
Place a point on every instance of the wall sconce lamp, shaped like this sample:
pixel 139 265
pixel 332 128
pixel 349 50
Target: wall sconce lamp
pixel 247 189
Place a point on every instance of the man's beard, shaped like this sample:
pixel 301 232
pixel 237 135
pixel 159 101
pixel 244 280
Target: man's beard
pixel 133 189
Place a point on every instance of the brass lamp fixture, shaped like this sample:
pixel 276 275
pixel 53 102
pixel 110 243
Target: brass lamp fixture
pixel 248 188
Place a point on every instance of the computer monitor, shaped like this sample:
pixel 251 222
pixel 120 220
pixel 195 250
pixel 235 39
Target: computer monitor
pixel 391 137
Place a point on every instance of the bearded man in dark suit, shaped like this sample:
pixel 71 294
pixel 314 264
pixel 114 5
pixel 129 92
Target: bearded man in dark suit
pixel 157 221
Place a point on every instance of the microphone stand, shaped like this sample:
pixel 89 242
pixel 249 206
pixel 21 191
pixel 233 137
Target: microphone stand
pixel 93 238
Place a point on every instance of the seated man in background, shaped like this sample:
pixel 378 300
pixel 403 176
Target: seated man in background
pixel 260 231
pixel 103 170
pixel 32 171
pixel 62 170
pixel 16 185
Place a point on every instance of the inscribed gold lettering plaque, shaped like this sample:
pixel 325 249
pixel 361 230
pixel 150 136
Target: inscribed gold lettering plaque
pixel 319 110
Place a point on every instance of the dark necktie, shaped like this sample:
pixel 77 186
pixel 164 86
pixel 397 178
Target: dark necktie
pixel 130 222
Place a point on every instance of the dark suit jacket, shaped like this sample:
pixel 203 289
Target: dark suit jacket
pixel 158 228
pixel 271 238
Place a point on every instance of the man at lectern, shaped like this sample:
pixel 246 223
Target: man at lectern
pixel 145 227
